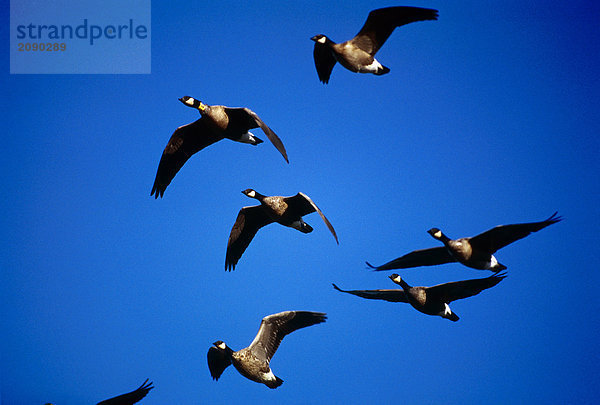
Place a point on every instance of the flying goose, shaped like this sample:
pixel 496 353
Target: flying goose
pixel 430 300
pixel 358 54
pixel 287 211
pixel 131 397
pixel 217 122
pixel 253 361
pixel 476 252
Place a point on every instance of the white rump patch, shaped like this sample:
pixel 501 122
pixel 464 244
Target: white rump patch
pixel 269 376
pixel 375 66
pixel 248 137
pixel 297 225
pixel 493 263
pixel 447 311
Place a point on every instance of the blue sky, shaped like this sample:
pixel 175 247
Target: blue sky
pixel 489 116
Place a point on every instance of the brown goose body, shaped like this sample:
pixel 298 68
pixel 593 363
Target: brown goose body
pixel 251 367
pixel 462 250
pixel 279 210
pixel 354 59
pixel 422 301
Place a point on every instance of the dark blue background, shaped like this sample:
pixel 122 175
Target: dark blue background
pixel 489 116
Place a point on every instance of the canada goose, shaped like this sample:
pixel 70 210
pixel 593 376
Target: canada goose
pixel 131 397
pixel 287 211
pixel 430 300
pixel 358 54
pixel 476 252
pixel 217 122
pixel 253 361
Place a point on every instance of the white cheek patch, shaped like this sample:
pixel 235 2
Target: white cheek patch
pixel 438 234
pixel 222 346
pixel 252 194
pixel 190 102
pixel 322 40
pixel 397 279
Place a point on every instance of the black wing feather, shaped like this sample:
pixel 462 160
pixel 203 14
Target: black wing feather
pixel 185 141
pixel 502 235
pixel 131 397
pixel 324 61
pixel 247 119
pixel 424 257
pixel 302 204
pixel 386 295
pixel 248 222
pixel 457 290
pixel 218 361
pixel 381 23
pixel 274 328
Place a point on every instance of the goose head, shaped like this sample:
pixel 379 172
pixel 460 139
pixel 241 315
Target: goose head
pixel 436 233
pixel 192 102
pixel 398 280
pixel 219 344
pixel 321 39
pixel 250 193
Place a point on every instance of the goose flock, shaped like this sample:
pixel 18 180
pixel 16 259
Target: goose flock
pixel 218 122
